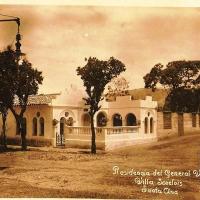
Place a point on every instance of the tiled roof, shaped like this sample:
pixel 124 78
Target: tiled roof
pixel 41 99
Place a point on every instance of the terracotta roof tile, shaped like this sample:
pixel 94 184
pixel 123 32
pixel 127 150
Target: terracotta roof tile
pixel 41 99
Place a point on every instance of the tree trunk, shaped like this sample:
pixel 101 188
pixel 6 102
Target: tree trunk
pixel 20 123
pixel 22 132
pixel 4 131
pixel 180 124
pixel 93 145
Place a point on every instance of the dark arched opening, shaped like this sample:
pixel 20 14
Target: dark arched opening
pixel 117 120
pixel 131 120
pixel 62 125
pixel 151 125
pixel 101 120
pixel 146 125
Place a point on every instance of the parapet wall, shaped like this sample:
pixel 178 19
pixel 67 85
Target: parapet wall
pixel 106 138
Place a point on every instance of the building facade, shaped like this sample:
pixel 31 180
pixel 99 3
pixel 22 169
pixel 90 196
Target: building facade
pixel 62 119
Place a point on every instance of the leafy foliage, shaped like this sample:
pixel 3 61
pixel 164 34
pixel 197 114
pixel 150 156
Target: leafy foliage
pixel 17 81
pixel 153 78
pixel 182 78
pixel 180 74
pixel 96 74
pixel 28 82
pixel 8 69
pixel 183 100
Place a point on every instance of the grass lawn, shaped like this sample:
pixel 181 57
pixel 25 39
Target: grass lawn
pixel 73 173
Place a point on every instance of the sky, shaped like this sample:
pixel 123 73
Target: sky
pixel 57 39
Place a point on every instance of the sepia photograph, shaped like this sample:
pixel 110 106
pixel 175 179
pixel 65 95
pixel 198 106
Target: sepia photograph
pixel 100 99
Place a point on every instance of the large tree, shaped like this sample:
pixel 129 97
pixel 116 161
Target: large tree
pixel 8 70
pixel 182 80
pixel 153 78
pixel 4 113
pixel 18 80
pixel 96 74
pixel 27 83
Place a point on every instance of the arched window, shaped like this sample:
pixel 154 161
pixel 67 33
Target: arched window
pixel 41 126
pixel 34 126
pixel 62 125
pixel 131 120
pixel 146 125
pixel 151 125
pixel 117 120
pixel 101 119
pixel 86 119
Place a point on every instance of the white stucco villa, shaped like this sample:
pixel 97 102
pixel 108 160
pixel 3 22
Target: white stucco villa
pixel 61 119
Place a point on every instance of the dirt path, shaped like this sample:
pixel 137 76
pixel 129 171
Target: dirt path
pixel 50 172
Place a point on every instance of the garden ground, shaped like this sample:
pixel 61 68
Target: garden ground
pixel 75 173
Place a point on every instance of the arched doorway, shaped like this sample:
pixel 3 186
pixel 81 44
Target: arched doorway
pixel 117 120
pixel 101 119
pixel 86 119
pixel 131 119
pixel 62 125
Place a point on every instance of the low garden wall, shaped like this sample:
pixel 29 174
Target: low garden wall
pixel 106 138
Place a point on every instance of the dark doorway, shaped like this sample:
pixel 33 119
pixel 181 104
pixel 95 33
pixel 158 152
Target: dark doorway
pixel 101 119
pixel 151 125
pixel 117 120
pixel 62 125
pixel 146 125
pixel 131 120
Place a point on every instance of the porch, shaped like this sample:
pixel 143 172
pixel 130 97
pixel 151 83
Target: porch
pixel 107 138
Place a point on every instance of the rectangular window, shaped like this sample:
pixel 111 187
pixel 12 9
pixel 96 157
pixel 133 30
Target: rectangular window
pixel 34 126
pixel 167 120
pixel 41 126
pixel 194 120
